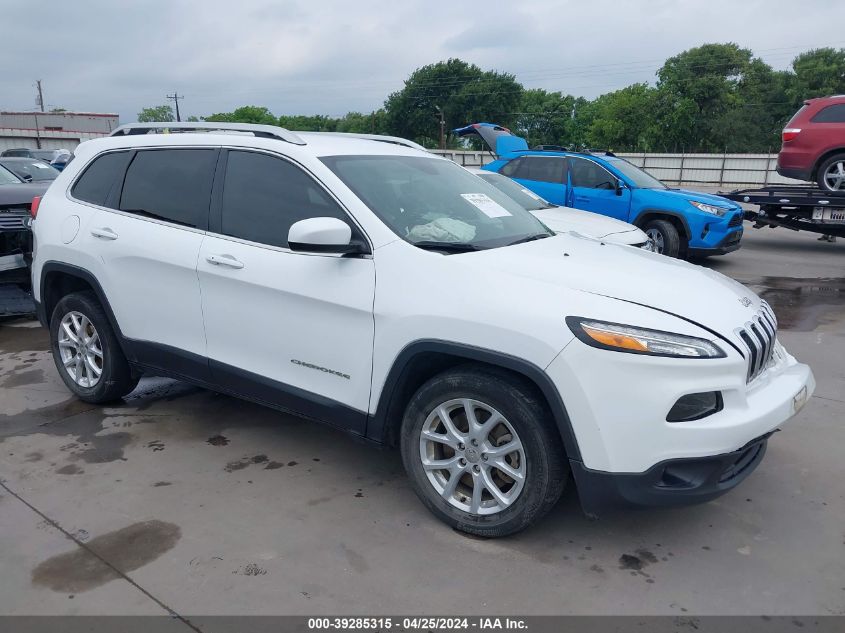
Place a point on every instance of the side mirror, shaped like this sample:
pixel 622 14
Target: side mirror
pixel 620 186
pixel 26 178
pixel 324 235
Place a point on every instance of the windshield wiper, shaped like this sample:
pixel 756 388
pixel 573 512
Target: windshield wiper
pixel 157 216
pixel 452 247
pixel 530 238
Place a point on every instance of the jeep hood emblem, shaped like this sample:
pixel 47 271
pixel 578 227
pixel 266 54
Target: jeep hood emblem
pixel 745 301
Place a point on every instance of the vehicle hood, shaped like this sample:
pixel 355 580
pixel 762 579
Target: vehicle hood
pixel 21 194
pixel 679 196
pixel 692 292
pixel 565 219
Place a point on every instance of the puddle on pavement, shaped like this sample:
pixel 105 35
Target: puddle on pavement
pixel 15 339
pixel 803 304
pixel 126 550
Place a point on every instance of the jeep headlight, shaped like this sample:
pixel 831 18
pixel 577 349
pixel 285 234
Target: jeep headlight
pixel 709 208
pixel 635 340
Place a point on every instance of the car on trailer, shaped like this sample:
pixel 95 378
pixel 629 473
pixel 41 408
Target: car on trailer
pixel 813 144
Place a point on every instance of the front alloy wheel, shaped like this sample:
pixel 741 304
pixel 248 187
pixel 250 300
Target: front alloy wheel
pixel 472 456
pixel 482 451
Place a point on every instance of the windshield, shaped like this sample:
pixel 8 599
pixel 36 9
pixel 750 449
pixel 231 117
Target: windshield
pixel 35 169
pixel 430 201
pixel 526 198
pixel 7 177
pixel 636 175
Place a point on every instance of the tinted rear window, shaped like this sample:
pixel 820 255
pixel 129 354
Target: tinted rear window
pixel 170 184
pixel 97 180
pixel 831 114
pixel 540 168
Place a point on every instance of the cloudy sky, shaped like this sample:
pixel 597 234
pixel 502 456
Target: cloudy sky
pixel 332 56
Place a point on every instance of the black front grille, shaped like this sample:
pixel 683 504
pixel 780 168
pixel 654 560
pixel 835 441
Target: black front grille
pixel 736 220
pixel 759 336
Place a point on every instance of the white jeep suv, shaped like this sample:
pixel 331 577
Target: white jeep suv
pixel 391 293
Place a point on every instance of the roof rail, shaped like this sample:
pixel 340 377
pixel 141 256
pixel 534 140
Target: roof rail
pixel 167 127
pixel 396 140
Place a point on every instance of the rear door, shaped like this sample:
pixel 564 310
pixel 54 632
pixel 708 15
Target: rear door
pixel 544 175
pixel 148 237
pixel 288 328
pixel 593 188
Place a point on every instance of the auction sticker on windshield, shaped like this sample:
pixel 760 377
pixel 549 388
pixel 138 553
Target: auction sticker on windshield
pixel 485 204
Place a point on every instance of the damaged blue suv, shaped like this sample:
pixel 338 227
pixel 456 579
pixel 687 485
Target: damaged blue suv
pixel 683 224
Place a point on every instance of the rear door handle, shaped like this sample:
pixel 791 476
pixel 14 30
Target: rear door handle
pixel 104 233
pixel 224 260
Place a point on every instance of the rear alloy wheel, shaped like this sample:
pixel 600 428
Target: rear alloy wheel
pixel 831 173
pixel 665 236
pixel 86 350
pixel 482 451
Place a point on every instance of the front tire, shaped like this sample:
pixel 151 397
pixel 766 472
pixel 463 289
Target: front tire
pixel 831 173
pixel 86 350
pixel 482 452
pixel 666 238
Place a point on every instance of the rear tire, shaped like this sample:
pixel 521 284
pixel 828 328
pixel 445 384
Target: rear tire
pixel 523 440
pixel 830 175
pixel 666 238
pixel 86 350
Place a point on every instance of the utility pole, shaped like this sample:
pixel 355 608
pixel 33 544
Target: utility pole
pixel 175 98
pixel 40 95
pixel 442 127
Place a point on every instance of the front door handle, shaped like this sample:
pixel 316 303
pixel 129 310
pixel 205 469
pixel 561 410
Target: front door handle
pixel 104 233
pixel 224 260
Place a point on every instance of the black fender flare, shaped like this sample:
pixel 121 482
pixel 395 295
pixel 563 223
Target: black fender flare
pixel 378 427
pixel 91 280
pixel 646 212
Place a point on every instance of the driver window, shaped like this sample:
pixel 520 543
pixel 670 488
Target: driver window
pixel 264 195
pixel 586 173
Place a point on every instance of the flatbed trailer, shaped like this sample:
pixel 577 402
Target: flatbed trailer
pixel 796 207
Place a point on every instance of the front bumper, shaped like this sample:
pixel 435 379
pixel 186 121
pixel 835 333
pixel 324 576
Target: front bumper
pixel 730 243
pixel 618 404
pixel 674 482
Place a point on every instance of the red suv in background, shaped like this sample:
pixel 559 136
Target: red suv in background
pixel 813 146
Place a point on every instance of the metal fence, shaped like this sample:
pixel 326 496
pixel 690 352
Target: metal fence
pixel 723 170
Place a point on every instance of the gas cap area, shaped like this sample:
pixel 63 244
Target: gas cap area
pixel 70 229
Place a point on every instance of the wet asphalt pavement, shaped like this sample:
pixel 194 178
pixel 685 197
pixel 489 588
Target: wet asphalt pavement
pixel 183 501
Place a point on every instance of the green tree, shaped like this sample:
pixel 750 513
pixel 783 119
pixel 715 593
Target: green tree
pixel 623 119
pixel 696 88
pixel 307 123
pixel 546 117
pixel 246 114
pixel 817 73
pixel 156 113
pixel 462 93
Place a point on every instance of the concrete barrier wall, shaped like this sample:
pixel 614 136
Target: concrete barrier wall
pixel 722 170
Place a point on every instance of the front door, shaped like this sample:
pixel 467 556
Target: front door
pixel 291 329
pixel 593 188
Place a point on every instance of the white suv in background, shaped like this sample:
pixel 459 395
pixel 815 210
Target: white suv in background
pixel 391 293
